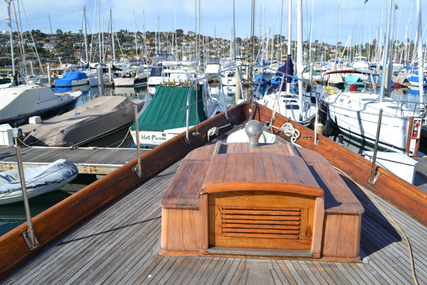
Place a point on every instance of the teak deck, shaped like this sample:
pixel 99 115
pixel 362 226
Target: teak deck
pixel 109 231
pixel 121 245
pixel 231 199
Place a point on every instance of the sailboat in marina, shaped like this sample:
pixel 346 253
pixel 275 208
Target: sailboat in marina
pixel 298 107
pixel 357 113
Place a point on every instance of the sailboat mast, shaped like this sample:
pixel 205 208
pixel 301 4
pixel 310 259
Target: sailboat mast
pixel 311 33
pixel 99 32
pixel 234 32
pixel 280 34
pixel 103 45
pixel 22 39
pixel 158 36
pixel 19 36
pixel 386 52
pixel 175 46
pixel 288 86
pixel 112 37
pixel 195 28
pixel 9 23
pixel 338 31
pixel 199 34
pixel 420 52
pixel 397 34
pixel 300 64
pixel 251 71
pixel 85 35
pixel 136 40
pixel 145 34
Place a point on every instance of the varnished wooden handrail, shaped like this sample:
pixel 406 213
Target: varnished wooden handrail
pixel 263 186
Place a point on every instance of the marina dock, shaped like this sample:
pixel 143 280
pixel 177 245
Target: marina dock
pixel 87 160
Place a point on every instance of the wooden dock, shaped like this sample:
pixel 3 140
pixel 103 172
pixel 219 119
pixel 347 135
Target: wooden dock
pixel 87 160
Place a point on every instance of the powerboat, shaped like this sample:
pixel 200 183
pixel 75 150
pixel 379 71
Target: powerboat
pixel 19 103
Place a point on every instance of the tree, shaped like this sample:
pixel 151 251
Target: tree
pixel 179 32
pixel 59 32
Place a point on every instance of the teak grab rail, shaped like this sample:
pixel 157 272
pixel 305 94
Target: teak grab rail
pixel 263 186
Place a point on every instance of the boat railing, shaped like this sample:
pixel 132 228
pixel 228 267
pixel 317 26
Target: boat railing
pixel 205 79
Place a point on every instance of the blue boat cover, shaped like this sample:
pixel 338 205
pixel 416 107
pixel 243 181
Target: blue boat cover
pixel 70 76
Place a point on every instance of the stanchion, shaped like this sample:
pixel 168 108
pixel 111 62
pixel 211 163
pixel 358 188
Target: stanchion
pixel 374 175
pixel 137 139
pixel 29 236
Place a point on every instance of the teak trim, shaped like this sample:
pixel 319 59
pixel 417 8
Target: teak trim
pixel 318 225
pixel 263 186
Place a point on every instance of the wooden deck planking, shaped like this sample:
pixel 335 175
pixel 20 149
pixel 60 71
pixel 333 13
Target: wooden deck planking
pixel 233 269
pixel 311 274
pixel 320 273
pixel 112 224
pixel 81 258
pixel 283 273
pixel 259 271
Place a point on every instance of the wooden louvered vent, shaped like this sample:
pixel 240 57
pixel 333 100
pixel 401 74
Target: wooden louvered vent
pixel 283 223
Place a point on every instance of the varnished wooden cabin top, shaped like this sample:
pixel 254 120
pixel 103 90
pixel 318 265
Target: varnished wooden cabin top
pixel 267 163
pixel 269 200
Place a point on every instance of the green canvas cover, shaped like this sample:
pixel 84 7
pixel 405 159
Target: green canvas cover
pixel 168 109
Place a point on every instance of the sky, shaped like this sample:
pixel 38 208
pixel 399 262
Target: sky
pixel 364 19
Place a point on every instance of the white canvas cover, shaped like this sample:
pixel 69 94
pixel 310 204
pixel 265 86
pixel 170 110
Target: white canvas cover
pixel 96 117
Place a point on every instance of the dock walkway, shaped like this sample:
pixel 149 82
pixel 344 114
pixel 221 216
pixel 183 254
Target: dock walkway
pixel 87 160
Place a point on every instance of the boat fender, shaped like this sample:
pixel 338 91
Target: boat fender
pixel 329 90
pixel 320 128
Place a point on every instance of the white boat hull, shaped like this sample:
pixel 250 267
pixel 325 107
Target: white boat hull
pixel 291 107
pixel 361 119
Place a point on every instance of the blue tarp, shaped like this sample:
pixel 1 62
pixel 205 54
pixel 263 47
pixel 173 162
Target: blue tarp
pixel 69 77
